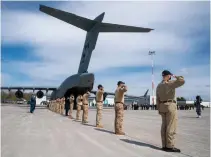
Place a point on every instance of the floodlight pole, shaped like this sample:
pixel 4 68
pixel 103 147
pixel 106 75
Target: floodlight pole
pixel 151 53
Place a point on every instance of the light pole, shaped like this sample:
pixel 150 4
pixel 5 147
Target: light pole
pixel 151 53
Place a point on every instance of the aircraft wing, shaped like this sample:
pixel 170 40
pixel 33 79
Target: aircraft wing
pixel 28 88
pixel 78 21
pixel 109 27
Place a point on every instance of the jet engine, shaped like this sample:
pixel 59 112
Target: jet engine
pixel 40 94
pixel 19 94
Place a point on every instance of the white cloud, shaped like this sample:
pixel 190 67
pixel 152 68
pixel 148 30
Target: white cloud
pixel 59 45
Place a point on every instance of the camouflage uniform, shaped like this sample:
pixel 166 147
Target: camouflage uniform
pixel 167 108
pixel 85 107
pixel 119 109
pixel 99 100
pixel 71 106
pixel 79 104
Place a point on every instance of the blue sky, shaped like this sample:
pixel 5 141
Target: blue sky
pixel 42 50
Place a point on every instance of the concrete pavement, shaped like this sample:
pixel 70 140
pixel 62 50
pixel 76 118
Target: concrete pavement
pixel 47 134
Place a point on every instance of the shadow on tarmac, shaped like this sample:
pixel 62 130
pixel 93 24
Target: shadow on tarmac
pixel 106 131
pixel 141 144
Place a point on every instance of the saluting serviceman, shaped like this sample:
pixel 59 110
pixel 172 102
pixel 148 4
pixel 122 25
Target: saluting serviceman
pixel 71 106
pixel 79 101
pixel 167 108
pixel 54 106
pixel 85 107
pixel 119 107
pixel 57 105
pixel 62 106
pixel 99 101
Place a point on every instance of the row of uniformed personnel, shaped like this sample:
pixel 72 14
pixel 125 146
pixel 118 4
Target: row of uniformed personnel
pixel 59 105
pixel 165 100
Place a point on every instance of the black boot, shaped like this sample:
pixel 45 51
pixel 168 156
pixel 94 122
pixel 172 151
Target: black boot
pixel 164 148
pixel 173 150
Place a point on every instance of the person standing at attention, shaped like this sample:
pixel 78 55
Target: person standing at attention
pixel 119 107
pixel 167 108
pixel 99 101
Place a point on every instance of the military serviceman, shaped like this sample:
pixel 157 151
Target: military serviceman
pixel 58 105
pixel 119 107
pixel 99 101
pixel 79 101
pixel 62 106
pixel 85 107
pixel 167 108
pixel 71 106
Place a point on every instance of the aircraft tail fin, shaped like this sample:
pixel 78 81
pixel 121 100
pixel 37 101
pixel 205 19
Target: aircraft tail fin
pixel 78 21
pixel 146 93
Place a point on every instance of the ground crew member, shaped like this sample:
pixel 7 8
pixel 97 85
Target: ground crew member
pixel 32 103
pixel 71 106
pixel 119 107
pixel 85 107
pixel 99 101
pixel 79 101
pixel 198 105
pixel 167 108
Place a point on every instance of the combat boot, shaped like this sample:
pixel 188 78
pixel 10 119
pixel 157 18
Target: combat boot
pixel 120 133
pixel 84 122
pixel 173 150
pixel 164 148
pixel 99 126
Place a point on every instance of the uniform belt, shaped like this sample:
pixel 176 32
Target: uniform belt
pixel 168 101
pixel 99 101
pixel 85 104
pixel 119 102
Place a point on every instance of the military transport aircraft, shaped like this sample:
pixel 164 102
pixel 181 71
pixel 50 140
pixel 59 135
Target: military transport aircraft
pixel 82 81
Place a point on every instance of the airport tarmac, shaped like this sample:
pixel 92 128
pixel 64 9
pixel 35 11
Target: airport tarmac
pixel 47 134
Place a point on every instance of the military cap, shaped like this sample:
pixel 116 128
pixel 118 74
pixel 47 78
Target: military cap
pixel 166 72
pixel 120 82
pixel 99 86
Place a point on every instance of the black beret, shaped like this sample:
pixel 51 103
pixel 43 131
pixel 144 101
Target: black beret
pixel 120 82
pixel 166 72
pixel 99 86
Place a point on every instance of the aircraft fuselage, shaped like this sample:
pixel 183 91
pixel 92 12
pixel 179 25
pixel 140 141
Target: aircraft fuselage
pixel 75 84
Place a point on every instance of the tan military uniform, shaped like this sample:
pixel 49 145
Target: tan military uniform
pixel 119 110
pixel 167 107
pixel 99 100
pixel 85 107
pixel 62 102
pixel 79 101
pixel 71 106
pixel 58 106
pixel 54 106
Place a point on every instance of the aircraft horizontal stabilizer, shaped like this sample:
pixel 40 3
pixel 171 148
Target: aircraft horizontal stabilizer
pixel 78 21
pixel 109 27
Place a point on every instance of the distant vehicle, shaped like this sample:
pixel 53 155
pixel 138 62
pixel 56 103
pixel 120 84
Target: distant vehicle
pixel 20 102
